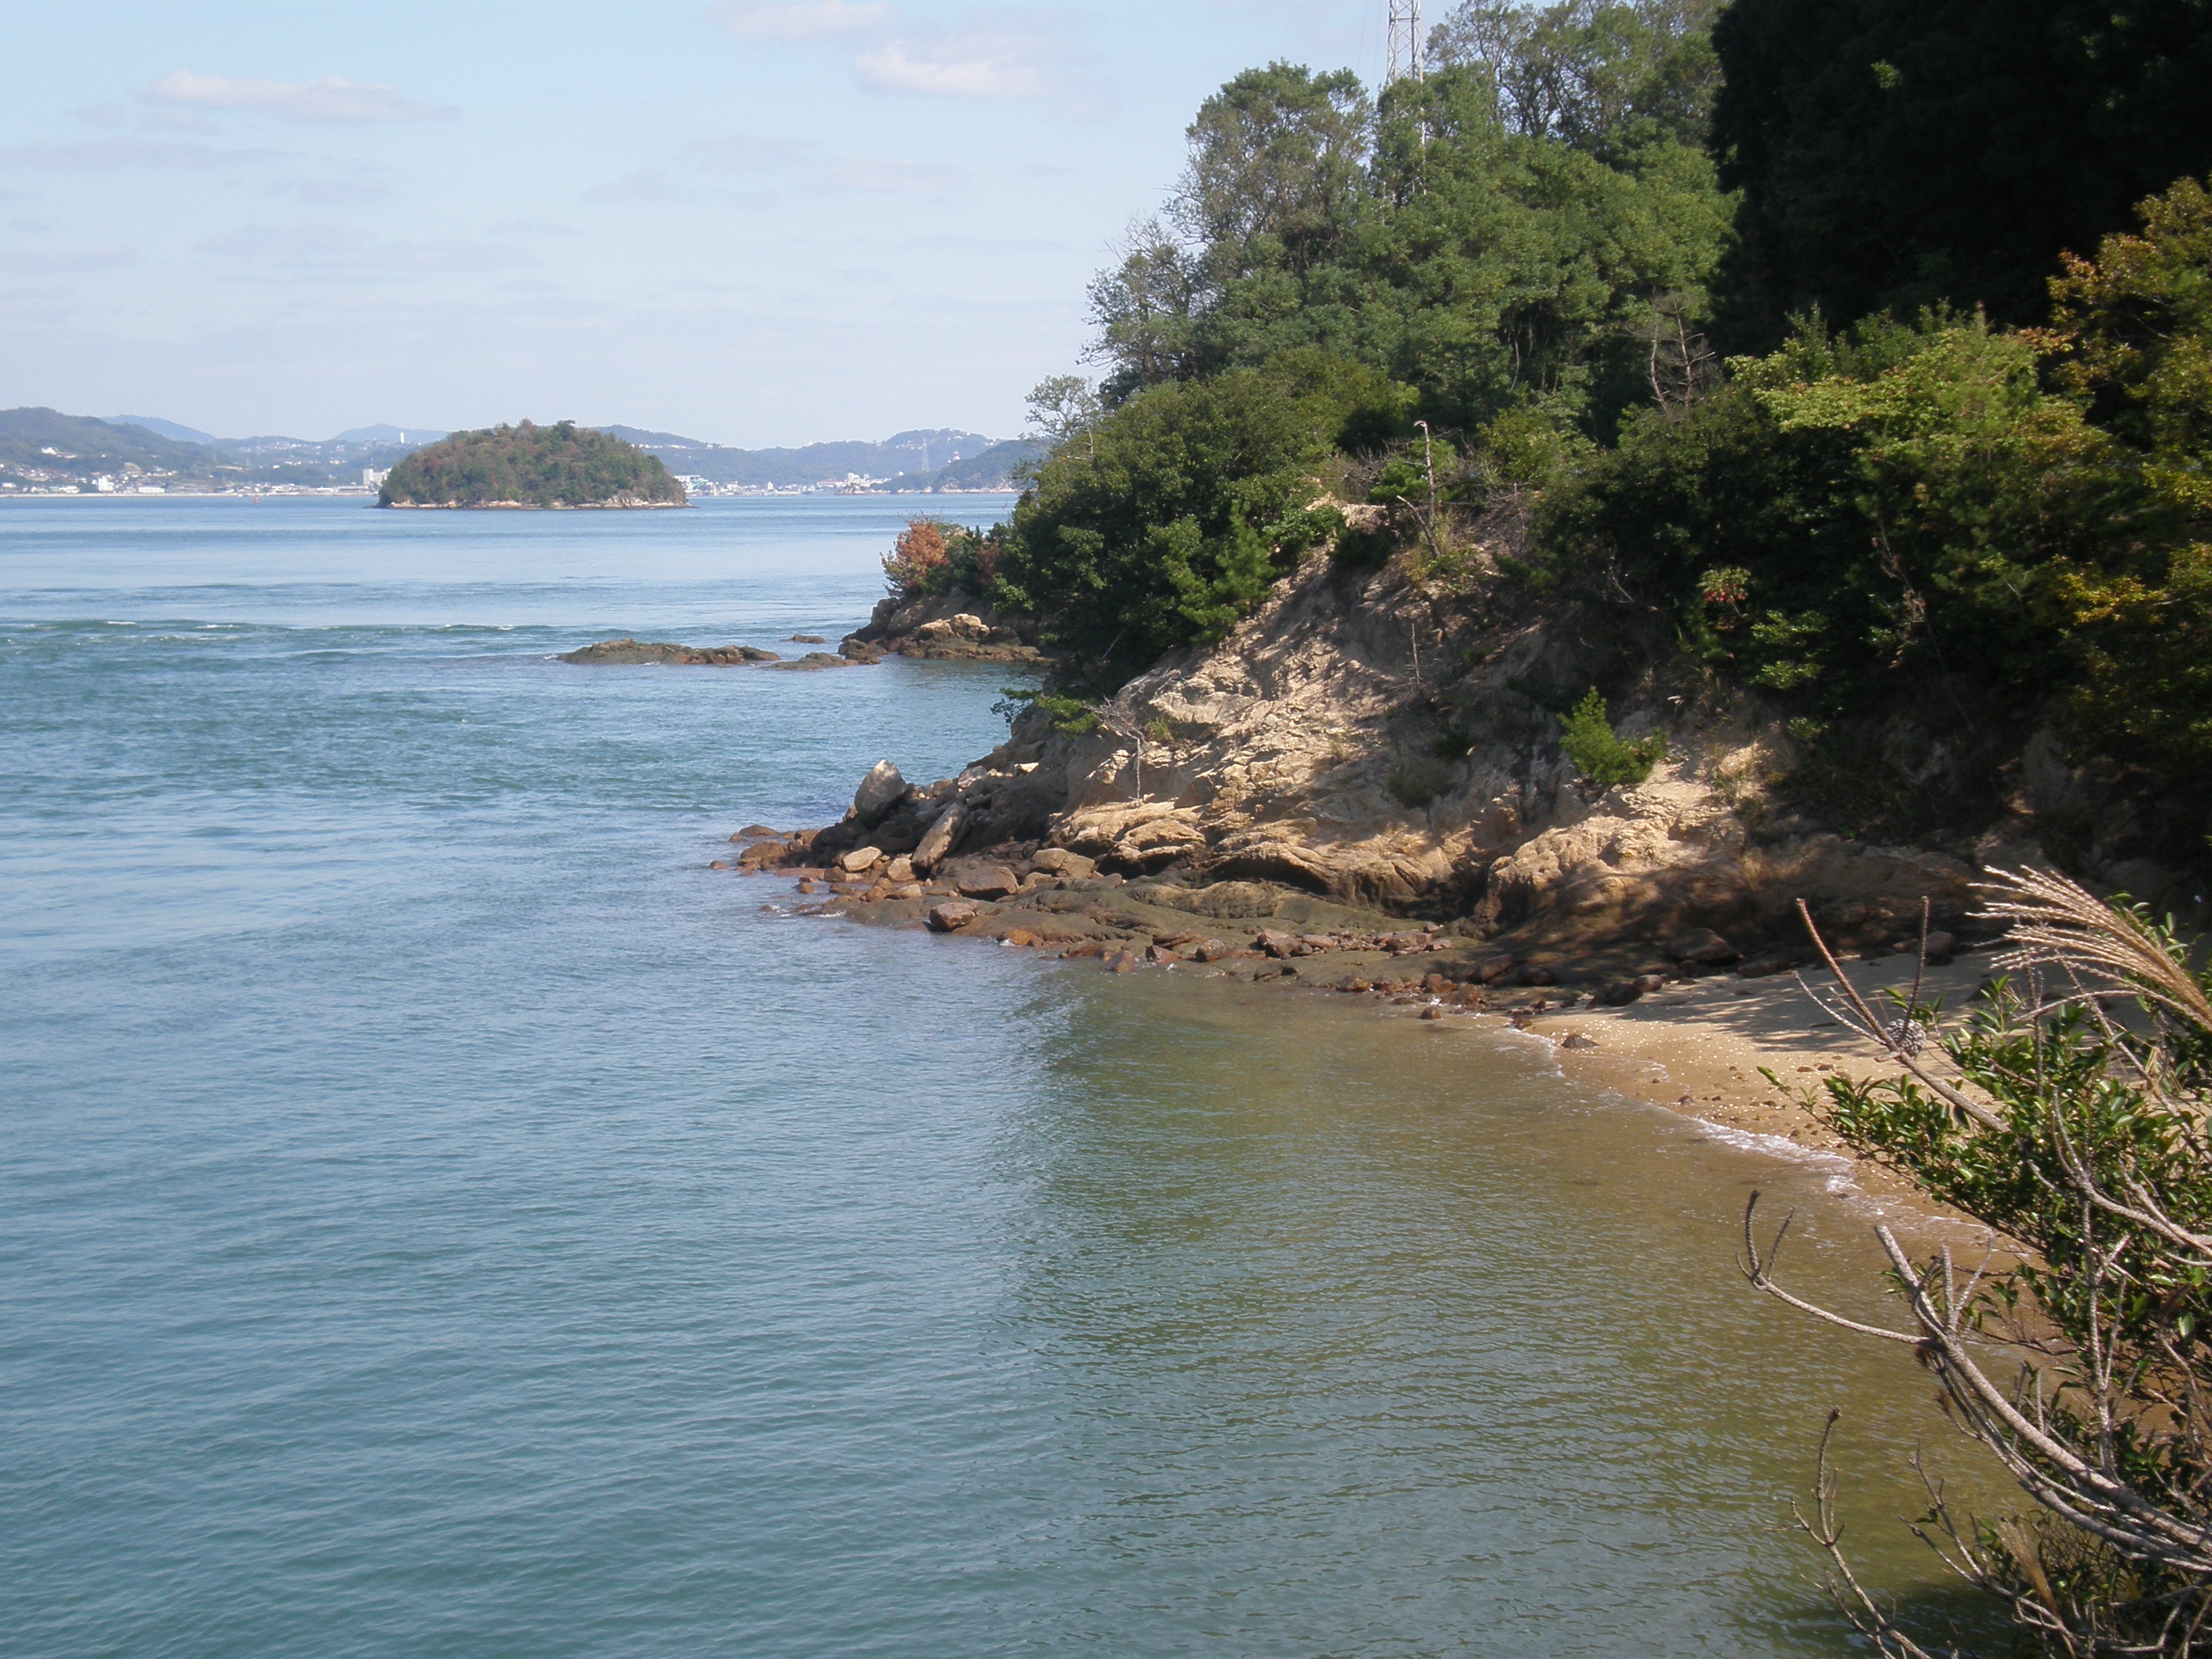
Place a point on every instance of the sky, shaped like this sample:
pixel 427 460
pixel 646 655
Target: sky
pixel 753 221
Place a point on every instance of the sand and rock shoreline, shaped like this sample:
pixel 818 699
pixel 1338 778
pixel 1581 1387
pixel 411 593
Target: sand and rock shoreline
pixel 1692 1023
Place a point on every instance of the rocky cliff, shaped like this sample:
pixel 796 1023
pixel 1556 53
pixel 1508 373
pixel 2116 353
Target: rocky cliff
pixel 1392 744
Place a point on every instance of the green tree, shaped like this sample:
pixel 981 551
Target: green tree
pixel 1900 153
pixel 1169 521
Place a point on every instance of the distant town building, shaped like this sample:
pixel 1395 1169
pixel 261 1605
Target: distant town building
pixel 373 477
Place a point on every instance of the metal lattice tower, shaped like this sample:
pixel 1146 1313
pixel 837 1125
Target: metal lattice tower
pixel 1405 41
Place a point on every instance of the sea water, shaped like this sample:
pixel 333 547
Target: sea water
pixel 439 1216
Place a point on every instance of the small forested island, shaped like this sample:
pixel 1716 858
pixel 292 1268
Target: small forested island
pixel 561 466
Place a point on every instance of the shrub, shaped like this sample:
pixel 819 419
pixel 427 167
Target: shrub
pixel 2069 1116
pixel 1071 714
pixel 1600 753
pixel 931 556
pixel 1168 524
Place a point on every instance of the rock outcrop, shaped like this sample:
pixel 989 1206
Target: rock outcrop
pixel 954 627
pixel 1362 740
pixel 629 651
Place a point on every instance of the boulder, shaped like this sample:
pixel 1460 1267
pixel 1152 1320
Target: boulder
pixel 1212 950
pixel 877 794
pixel 861 858
pixel 1530 974
pixel 631 652
pixel 1941 947
pixel 1275 943
pixel 1764 964
pixel 965 626
pixel 1488 970
pixel 942 836
pixel 986 881
pixel 944 918
pixel 1121 961
pixel 1071 867
pixel 1622 993
pixel 1576 1040
pixel 757 832
pixel 761 854
pixel 1702 946
pixel 900 870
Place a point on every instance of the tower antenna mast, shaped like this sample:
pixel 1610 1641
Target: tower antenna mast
pixel 1404 42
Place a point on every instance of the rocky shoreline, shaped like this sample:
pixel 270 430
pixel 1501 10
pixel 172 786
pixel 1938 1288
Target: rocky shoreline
pixel 1692 1023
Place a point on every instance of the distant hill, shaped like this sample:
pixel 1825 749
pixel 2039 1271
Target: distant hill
pixel 561 466
pixel 41 445
pixel 178 455
pixel 916 454
pixel 995 469
pixel 161 429
pixel 410 437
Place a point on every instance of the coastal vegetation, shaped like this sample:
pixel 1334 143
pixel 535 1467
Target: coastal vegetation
pixel 562 465
pixel 2068 1114
pixel 1500 303
pixel 1852 366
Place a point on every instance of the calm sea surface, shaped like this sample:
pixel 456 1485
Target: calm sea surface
pixel 439 1216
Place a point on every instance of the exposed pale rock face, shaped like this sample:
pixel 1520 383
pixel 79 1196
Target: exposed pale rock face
pixel 1380 747
pixel 956 626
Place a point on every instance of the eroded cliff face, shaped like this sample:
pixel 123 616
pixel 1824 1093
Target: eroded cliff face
pixel 1368 740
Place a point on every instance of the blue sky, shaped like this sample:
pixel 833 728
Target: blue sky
pixel 763 222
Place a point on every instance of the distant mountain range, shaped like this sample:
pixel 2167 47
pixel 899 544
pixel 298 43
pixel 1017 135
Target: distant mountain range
pixel 910 461
pixel 41 447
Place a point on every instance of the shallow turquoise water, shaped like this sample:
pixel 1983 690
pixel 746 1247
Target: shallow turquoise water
pixel 439 1216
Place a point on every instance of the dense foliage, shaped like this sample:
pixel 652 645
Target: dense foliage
pixel 931 556
pixel 1516 228
pixel 560 465
pixel 2068 1114
pixel 1168 522
pixel 1894 154
pixel 1853 520
pixel 1894 506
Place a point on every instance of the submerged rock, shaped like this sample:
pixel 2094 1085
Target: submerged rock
pixel 622 652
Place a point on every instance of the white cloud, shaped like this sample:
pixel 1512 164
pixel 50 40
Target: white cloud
pixel 326 101
pixel 982 65
pixel 743 154
pixel 331 192
pixel 113 154
pixel 649 185
pixel 797 20
pixel 327 250
pixel 885 177
pixel 24 262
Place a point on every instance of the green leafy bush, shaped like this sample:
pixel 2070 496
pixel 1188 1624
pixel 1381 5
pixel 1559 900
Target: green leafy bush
pixel 933 556
pixel 1169 520
pixel 1071 713
pixel 1600 753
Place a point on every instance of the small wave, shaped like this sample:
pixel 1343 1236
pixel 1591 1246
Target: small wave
pixel 1781 1146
